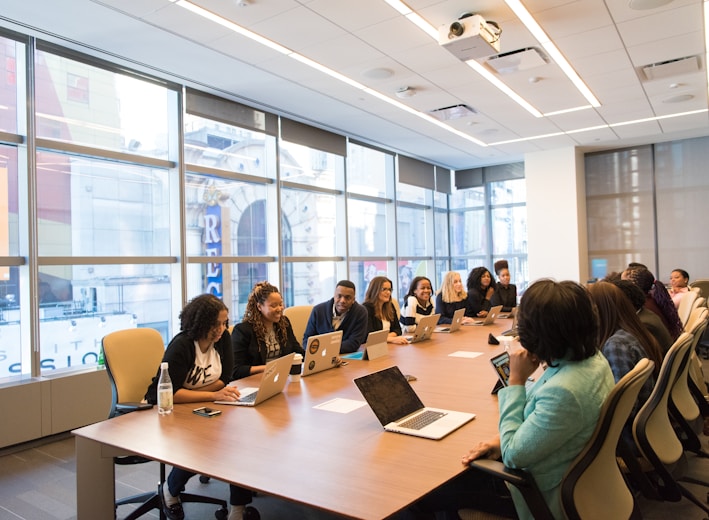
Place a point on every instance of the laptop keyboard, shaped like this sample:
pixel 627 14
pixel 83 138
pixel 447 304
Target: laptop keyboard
pixel 421 420
pixel 248 398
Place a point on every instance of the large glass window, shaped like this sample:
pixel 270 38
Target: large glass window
pixel 86 105
pixel 12 76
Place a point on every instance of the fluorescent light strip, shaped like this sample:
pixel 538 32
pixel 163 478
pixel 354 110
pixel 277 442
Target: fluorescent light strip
pixel 531 24
pixel 600 127
pixel 567 110
pixel 208 15
pixel 706 38
pixel 477 67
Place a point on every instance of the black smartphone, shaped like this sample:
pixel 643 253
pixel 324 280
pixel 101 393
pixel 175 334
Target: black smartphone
pixel 206 412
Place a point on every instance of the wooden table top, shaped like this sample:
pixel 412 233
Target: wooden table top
pixel 340 462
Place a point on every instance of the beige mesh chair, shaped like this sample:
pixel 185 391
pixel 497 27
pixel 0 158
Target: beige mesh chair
pixel 685 306
pixel 298 316
pixel 594 486
pixel 655 435
pixel 702 285
pixel 132 359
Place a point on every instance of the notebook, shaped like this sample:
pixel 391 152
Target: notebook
pixel 272 382
pixel 400 410
pixel 424 329
pixel 322 352
pixel 492 314
pixel 456 321
pixel 510 314
pixel 501 364
pixel 375 347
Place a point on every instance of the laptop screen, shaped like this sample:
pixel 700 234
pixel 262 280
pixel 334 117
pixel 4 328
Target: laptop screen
pixel 389 394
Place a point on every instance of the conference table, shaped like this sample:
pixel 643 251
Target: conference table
pixel 294 445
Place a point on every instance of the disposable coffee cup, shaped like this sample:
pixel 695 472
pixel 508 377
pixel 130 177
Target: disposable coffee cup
pixel 296 368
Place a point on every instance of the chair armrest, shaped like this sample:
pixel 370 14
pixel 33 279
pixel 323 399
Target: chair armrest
pixel 520 479
pixel 132 407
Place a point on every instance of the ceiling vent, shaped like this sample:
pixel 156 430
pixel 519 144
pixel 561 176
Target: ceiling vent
pixel 669 68
pixel 515 61
pixel 453 112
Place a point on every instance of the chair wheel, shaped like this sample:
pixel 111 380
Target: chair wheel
pixel 203 479
pixel 251 513
pixel 221 514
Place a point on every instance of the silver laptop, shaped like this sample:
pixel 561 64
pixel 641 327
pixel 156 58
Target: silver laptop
pixel 511 314
pixel 400 410
pixel 272 383
pixel 513 330
pixel 375 347
pixel 492 314
pixel 424 329
pixel 455 324
pixel 322 352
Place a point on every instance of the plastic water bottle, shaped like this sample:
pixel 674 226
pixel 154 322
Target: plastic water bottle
pixel 164 391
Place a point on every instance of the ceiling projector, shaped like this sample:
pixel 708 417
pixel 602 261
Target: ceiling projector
pixel 470 37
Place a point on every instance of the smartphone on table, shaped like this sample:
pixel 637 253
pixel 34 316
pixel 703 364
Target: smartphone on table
pixel 206 412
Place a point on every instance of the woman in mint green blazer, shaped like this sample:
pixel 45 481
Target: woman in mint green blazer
pixel 543 428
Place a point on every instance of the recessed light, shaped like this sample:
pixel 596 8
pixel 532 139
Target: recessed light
pixel 642 5
pixel 378 73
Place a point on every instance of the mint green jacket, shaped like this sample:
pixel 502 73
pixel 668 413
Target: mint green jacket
pixel 544 428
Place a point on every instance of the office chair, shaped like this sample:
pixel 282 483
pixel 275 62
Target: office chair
pixel 132 357
pixel 703 286
pixel 298 316
pixel 655 436
pixel 685 306
pixel 686 406
pixel 593 486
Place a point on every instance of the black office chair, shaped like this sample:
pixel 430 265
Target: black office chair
pixel 594 486
pixel 132 357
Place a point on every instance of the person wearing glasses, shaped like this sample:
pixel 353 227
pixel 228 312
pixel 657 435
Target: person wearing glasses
pixel 381 312
pixel 200 362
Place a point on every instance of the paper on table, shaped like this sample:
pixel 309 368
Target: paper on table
pixel 465 354
pixel 340 405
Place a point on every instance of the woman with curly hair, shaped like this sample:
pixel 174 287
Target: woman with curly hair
pixel 264 333
pixel 480 290
pixel 381 312
pixel 657 299
pixel 200 362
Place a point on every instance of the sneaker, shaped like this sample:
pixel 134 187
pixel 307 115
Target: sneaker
pixel 173 512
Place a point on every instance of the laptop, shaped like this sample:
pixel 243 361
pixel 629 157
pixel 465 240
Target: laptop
pixel 424 329
pixel 501 364
pixel 400 410
pixel 510 314
pixel 272 382
pixel 456 322
pixel 492 314
pixel 322 352
pixel 375 347
pixel 513 330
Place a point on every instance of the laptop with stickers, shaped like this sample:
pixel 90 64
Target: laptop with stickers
pixel 400 410
pixel 322 352
pixel 272 383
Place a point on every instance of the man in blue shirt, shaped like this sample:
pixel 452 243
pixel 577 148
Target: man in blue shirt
pixel 343 313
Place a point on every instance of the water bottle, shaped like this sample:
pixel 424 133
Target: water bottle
pixel 164 391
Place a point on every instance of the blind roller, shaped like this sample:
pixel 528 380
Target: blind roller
pixel 443 180
pixel 211 107
pixel 416 173
pixel 471 178
pixel 504 172
pixel 312 137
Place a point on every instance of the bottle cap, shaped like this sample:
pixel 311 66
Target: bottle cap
pixel 163 365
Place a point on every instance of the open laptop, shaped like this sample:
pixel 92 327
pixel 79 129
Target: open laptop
pixel 322 352
pixel 513 330
pixel 455 324
pixel 492 314
pixel 272 382
pixel 375 347
pixel 424 329
pixel 511 314
pixel 400 410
